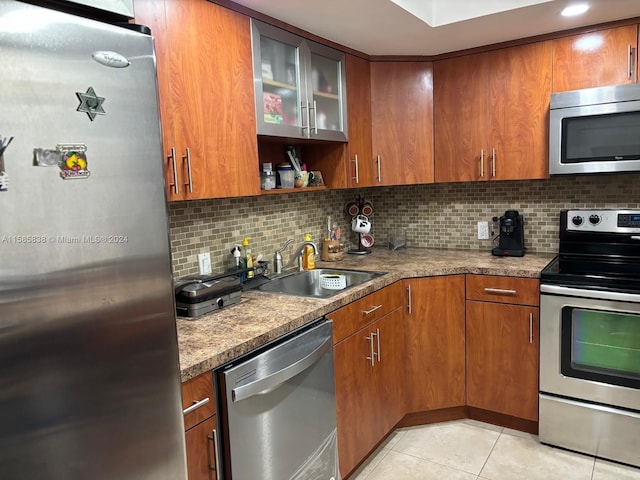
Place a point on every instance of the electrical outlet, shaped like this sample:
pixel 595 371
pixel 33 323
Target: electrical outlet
pixel 204 263
pixel 483 230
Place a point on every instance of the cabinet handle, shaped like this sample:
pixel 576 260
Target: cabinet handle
pixel 482 163
pixel 500 291
pixel 371 352
pixel 315 118
pixel 378 341
pixel 187 157
pixel 530 327
pixel 379 173
pixel 631 53
pixel 216 454
pixel 172 157
pixel 196 405
pixel 493 162
pixel 304 106
pixel 409 298
pixel 367 312
pixel 357 177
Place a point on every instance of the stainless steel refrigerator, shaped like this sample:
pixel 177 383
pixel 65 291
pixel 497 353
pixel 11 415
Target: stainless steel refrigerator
pixel 89 373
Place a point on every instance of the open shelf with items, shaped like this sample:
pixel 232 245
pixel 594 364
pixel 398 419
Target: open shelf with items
pixel 328 158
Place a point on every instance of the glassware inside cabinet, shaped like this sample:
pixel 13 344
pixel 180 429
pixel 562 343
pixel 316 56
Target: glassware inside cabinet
pixel 280 82
pixel 326 80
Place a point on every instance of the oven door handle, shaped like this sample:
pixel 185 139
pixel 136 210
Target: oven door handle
pixel 597 294
pixel 270 382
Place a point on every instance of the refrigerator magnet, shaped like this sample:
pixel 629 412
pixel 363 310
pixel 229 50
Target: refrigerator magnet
pixel 73 164
pixel 90 103
pixel 4 176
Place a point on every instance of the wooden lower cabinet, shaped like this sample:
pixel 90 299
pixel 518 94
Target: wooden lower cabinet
pixel 201 460
pixel 434 343
pixel 502 358
pixel 200 424
pixel 369 397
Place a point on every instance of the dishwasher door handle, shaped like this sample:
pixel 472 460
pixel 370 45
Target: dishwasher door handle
pixel 272 381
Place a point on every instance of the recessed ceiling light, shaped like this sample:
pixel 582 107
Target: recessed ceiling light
pixel 573 10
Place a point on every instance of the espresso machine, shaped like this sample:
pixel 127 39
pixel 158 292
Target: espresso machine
pixel 511 236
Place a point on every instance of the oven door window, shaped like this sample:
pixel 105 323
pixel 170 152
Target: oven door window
pixel 611 137
pixel 601 346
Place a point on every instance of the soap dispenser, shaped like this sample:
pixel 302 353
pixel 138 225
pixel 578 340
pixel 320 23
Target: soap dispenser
pixel 308 257
pixel 247 254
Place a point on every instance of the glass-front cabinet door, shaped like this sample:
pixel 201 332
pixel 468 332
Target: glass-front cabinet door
pixel 299 86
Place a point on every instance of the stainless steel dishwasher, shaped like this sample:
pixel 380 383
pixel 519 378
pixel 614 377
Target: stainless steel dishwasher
pixel 278 409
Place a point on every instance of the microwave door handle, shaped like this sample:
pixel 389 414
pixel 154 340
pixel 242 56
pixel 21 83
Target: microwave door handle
pixel 635 237
pixel 270 382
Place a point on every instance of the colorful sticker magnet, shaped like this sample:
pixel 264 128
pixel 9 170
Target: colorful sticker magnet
pixel 73 164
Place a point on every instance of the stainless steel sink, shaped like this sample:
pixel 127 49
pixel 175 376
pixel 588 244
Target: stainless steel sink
pixel 309 283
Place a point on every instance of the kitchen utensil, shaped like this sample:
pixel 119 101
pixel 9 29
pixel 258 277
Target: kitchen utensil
pixel 332 251
pixel 367 240
pixel 360 224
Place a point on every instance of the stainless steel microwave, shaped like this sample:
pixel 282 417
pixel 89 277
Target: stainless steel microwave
pixel 595 130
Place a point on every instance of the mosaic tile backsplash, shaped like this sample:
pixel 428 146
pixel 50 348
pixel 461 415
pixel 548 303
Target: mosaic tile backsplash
pixel 435 215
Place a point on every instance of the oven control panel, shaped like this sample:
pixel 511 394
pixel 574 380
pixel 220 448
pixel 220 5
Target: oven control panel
pixel 607 221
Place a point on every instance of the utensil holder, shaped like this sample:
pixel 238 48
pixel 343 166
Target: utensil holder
pixel 332 251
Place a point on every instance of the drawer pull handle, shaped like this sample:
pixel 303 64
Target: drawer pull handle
pixel 531 328
pixel 196 405
pixel 367 312
pixel 500 291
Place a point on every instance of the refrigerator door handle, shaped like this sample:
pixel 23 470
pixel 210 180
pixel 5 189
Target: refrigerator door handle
pixel 270 382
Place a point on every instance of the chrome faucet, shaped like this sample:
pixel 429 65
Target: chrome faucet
pixel 277 258
pixel 297 255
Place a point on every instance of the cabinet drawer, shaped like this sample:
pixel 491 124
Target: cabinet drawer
pixel 352 317
pixel 198 391
pixel 515 290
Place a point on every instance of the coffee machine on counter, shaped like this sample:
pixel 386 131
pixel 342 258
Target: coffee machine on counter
pixel 511 236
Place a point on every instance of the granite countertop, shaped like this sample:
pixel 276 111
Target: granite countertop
pixel 216 338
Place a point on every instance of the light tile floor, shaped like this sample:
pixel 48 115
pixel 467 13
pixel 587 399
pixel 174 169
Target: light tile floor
pixel 470 450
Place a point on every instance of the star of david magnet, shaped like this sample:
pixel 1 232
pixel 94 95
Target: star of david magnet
pixel 90 103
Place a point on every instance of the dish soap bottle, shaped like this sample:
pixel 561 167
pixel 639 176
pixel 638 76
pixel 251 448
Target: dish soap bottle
pixel 247 254
pixel 308 257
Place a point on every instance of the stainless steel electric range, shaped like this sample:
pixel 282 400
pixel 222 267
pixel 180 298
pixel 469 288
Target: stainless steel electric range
pixel 590 336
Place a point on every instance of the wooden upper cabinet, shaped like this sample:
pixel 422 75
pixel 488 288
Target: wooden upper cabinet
pixel 206 96
pixel 461 107
pixel 402 122
pixel 519 94
pixel 360 163
pixel 491 115
pixel 605 57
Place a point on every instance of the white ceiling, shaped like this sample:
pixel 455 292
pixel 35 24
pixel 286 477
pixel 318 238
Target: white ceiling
pixel 386 27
